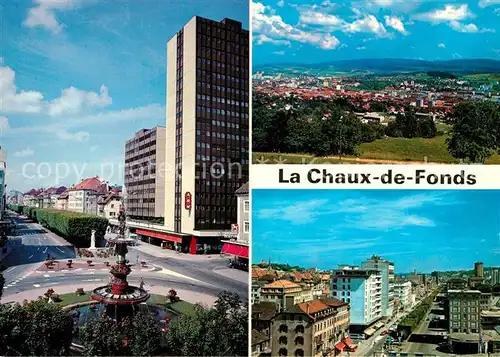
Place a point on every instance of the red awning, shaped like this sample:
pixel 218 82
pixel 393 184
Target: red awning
pixel 164 236
pixel 340 346
pixel 235 249
pixel 348 341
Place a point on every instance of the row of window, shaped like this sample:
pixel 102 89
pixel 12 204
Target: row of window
pixel 152 134
pixel 221 100
pixel 214 75
pixel 218 64
pixel 206 111
pixel 206 158
pixel 212 53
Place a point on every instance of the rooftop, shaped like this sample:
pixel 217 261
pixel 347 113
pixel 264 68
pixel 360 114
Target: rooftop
pixel 282 284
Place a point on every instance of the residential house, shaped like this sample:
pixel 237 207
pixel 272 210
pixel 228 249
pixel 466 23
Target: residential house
pixel 83 197
pixel 313 328
pixel 109 204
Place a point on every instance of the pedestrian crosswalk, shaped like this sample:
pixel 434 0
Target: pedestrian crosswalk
pixel 17 281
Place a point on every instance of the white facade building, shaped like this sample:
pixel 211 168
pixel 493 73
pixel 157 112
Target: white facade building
pixel 402 291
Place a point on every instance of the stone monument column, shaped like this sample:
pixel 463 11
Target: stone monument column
pixel 92 240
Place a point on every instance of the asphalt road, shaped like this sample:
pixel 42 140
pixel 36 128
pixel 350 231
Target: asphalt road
pixel 32 244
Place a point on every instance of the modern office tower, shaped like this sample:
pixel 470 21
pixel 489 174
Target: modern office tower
pixel 362 290
pixel 479 270
pixel 144 174
pixel 207 129
pixel 495 276
pixel 386 269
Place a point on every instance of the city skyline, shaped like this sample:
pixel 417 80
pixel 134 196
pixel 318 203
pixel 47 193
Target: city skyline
pixel 323 228
pixel 309 32
pixel 78 87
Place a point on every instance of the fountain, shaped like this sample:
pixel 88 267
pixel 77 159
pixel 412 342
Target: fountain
pixel 120 298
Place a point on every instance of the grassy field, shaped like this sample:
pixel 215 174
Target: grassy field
pixel 388 149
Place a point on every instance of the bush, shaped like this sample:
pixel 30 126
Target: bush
pixel 80 292
pixel 172 295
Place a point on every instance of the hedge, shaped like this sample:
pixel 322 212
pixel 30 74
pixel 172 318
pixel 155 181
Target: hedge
pixel 77 227
pixel 413 319
pixel 16 208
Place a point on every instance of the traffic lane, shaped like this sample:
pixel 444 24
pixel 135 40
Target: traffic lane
pixel 39 280
pixel 201 271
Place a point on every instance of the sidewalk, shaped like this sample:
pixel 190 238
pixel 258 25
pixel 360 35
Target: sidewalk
pixel 186 295
pixel 159 252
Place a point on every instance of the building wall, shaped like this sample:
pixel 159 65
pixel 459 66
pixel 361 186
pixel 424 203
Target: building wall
pixel 170 164
pixel 144 154
pixel 243 217
pixel 403 292
pixel 189 126
pixel 76 201
pixel 112 208
pixel 465 311
pixel 291 335
pixel 387 273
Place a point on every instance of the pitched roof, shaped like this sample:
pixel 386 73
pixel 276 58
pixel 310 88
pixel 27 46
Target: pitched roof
pixel 264 310
pixel 282 284
pixel 258 337
pixel 318 305
pixel 91 183
pixel 243 190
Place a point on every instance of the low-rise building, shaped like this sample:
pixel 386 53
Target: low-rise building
pixel 283 293
pixel 83 196
pixel 109 204
pixel 314 328
pixel 464 311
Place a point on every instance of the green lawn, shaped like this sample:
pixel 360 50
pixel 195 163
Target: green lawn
pixel 73 298
pixel 393 149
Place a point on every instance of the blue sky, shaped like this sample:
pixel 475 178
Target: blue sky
pixel 80 77
pixel 422 230
pixel 305 31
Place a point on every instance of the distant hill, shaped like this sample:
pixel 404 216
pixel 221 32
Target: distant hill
pixel 388 66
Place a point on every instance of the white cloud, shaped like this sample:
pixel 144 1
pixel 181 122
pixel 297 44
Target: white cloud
pixel 43 14
pixel 266 22
pixel 94 148
pixel 497 11
pixel 361 48
pixel 298 213
pixel 4 123
pixel 72 100
pixel 281 3
pixel 279 53
pixel 261 39
pixel 24 153
pixel 368 24
pixel 456 55
pixel 318 18
pixel 441 45
pixel 448 13
pixel 465 28
pixel 485 3
pixel 396 24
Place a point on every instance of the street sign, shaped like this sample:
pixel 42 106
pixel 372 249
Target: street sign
pixel 188 200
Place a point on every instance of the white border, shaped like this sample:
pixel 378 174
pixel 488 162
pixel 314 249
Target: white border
pixel 479 177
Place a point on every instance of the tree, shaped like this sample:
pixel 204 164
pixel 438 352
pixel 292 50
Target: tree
pixel 133 336
pixel 220 331
pixel 2 283
pixel 35 329
pixel 475 135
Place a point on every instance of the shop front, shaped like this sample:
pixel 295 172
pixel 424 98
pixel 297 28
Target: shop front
pixel 183 243
pixel 239 251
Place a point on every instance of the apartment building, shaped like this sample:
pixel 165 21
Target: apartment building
pixel 464 311
pixel 313 328
pixel 362 290
pixel 403 292
pixel 145 174
pixel 206 129
pixel 283 293
pixel 83 196
pixel 243 204
pixel 386 269
pixel 109 204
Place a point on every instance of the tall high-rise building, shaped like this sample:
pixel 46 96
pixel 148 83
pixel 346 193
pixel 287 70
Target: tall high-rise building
pixel 144 174
pixel 479 270
pixel 386 269
pixel 495 276
pixel 362 290
pixel 207 129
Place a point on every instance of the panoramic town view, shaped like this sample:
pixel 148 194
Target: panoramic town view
pixel 376 82
pixel 124 220
pixel 375 273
